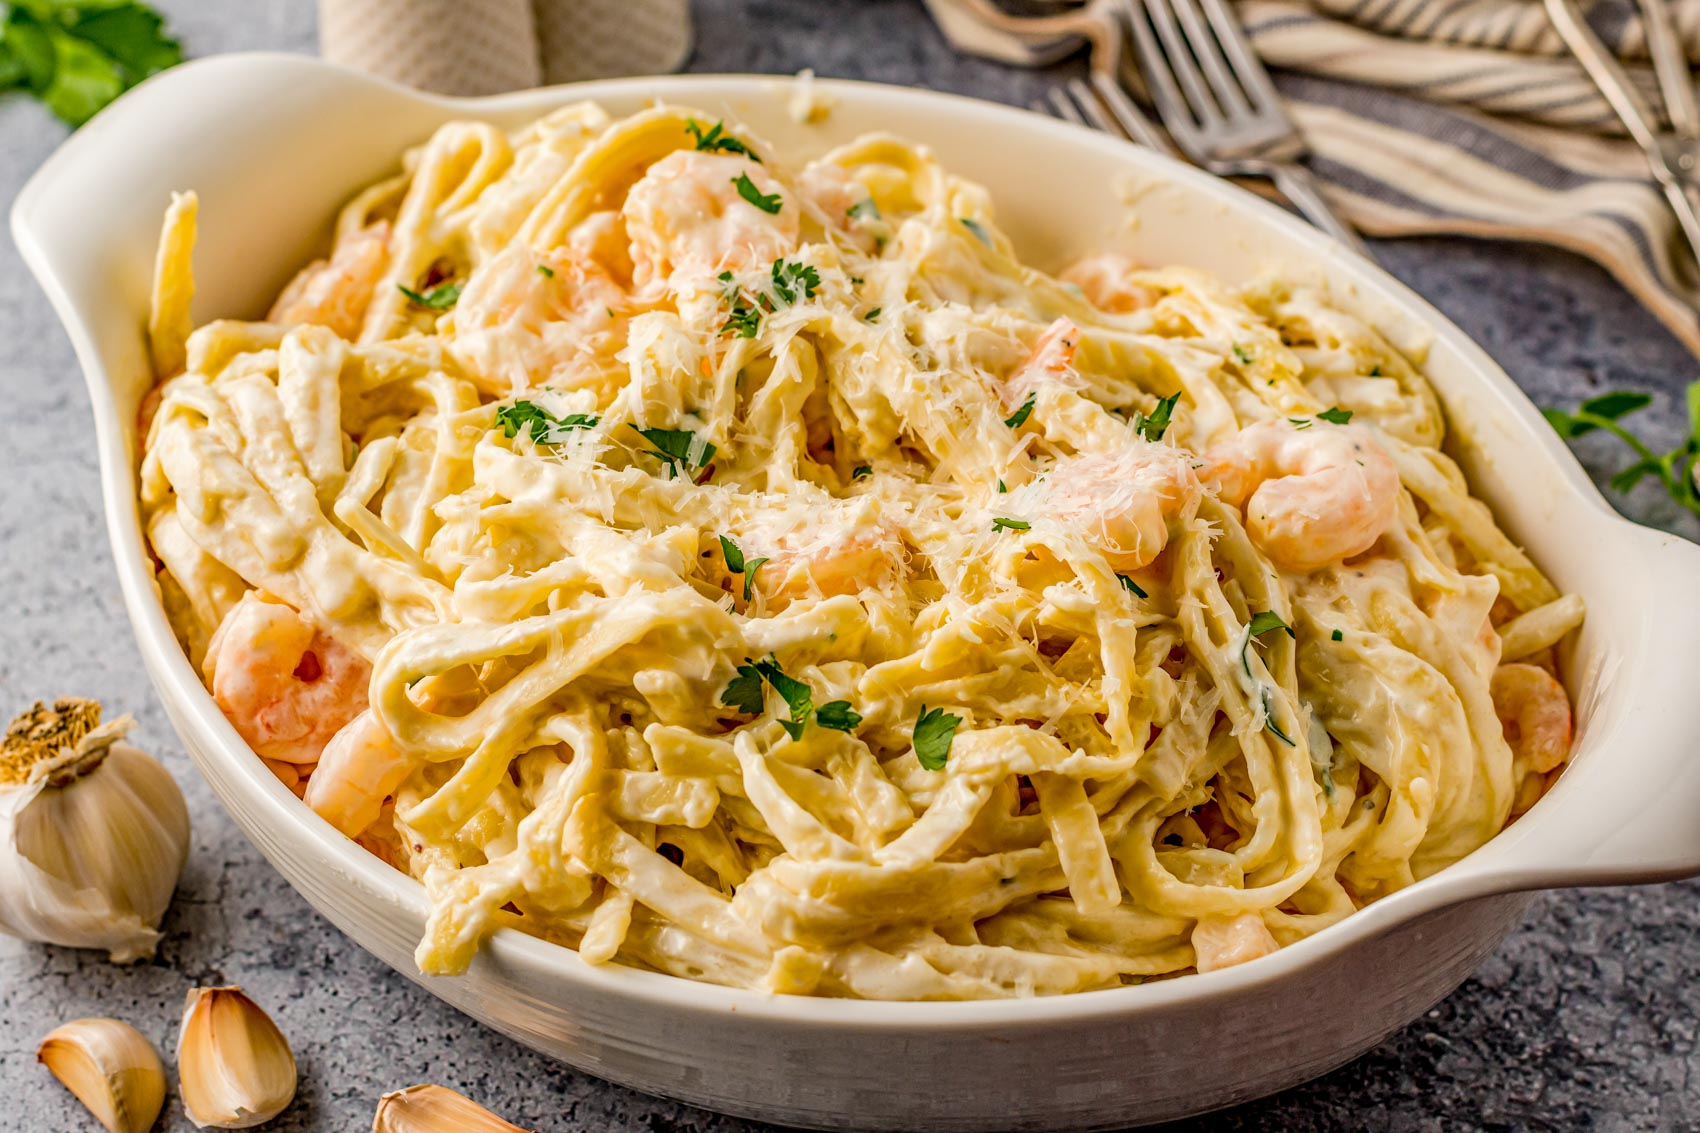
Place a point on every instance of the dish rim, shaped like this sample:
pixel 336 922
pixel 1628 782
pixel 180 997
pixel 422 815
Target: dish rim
pixel 190 705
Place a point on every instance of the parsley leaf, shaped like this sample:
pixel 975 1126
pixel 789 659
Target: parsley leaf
pixel 716 140
pixel 933 733
pixel 799 700
pixel 546 271
pixel 872 316
pixel 750 577
pixel 544 427
pixel 1336 636
pixel 1242 355
pixel 680 449
pixel 1130 584
pixel 766 202
pixel 1675 469
pixel 744 692
pixel 1001 524
pixel 978 229
pixel 861 471
pixel 1268 621
pixel 734 556
pixel 790 278
pixel 77 57
pixel 1019 417
pixel 864 210
pixel 1002 488
pixel 838 715
pixel 1153 427
pixel 744 320
pixel 1334 415
pixel 439 298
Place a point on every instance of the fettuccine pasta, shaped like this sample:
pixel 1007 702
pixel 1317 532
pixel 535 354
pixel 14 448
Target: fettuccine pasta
pixel 759 574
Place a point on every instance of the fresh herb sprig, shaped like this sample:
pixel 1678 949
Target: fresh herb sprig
pixel 766 202
pixel 77 57
pixel 934 731
pixel 1674 469
pixel 438 298
pixel 681 450
pixel 744 693
pixel 544 427
pixel 715 139
pixel 737 564
pixel 1019 417
pixel 1153 426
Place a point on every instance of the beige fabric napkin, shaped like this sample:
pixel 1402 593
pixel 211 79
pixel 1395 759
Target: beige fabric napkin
pixel 474 47
pixel 1467 116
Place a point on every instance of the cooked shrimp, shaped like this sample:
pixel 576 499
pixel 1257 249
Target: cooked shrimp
pixel 1052 359
pixel 526 320
pixel 359 769
pixel 1222 942
pixel 335 293
pixel 842 549
pixel 1534 710
pixel 1123 502
pixel 1106 281
pixel 285 685
pixel 601 239
pixel 686 215
pixel 1313 493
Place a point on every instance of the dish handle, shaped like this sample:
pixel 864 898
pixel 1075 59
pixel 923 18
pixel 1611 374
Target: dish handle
pixel 1627 809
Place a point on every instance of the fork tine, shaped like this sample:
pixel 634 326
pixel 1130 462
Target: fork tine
pixel 1159 78
pixel 1133 121
pixel 1091 110
pixel 1175 48
pixel 1062 107
pixel 1242 57
pixel 1202 38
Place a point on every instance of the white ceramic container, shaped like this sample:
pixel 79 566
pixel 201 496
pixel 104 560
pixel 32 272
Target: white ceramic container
pixel 274 143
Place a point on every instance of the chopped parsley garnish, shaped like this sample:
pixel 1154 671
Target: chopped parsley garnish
pixel 1673 469
pixel 77 57
pixel 766 202
pixel 1273 728
pixel 744 320
pixel 838 715
pixel 1154 426
pixel 934 731
pixel 872 316
pixel 1131 585
pixel 546 271
pixel 1300 422
pixel 750 577
pixel 1268 621
pixel 544 427
pixel 1375 370
pixel 1337 636
pixel 1002 489
pixel 791 278
pixel 799 700
pixel 736 564
pixel 1019 417
pixel 1334 415
pixel 864 210
pixel 744 692
pixel 439 298
pixel 1001 524
pixel 861 471
pixel 978 229
pixel 1242 355
pixel 716 140
pixel 680 449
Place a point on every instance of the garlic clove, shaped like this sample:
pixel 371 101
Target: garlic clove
pixel 435 1109
pixel 93 832
pixel 111 1068
pixel 234 1067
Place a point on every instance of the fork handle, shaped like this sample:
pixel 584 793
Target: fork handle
pixel 1298 184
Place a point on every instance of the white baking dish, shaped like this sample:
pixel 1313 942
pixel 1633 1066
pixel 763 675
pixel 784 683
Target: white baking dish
pixel 274 143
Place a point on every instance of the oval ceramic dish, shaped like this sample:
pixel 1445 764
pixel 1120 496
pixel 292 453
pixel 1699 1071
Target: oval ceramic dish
pixel 274 144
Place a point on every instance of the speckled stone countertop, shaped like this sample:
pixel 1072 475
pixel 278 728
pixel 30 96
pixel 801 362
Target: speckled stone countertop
pixel 1585 1019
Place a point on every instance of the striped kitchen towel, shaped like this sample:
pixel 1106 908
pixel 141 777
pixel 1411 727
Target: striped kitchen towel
pixel 1469 117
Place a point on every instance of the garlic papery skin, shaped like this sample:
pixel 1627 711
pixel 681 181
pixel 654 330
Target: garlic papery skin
pixel 234 1067
pixel 435 1109
pixel 111 1068
pixel 93 833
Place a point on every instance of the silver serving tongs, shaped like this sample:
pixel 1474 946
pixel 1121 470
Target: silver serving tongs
pixel 1673 155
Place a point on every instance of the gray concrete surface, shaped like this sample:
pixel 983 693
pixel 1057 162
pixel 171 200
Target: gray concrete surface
pixel 1586 1019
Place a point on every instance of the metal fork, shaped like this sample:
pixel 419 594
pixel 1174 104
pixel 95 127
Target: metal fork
pixel 1099 101
pixel 1221 108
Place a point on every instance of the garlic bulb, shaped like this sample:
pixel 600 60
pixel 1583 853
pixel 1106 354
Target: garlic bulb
pixel 111 1068
pixel 234 1067
pixel 435 1109
pixel 93 832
